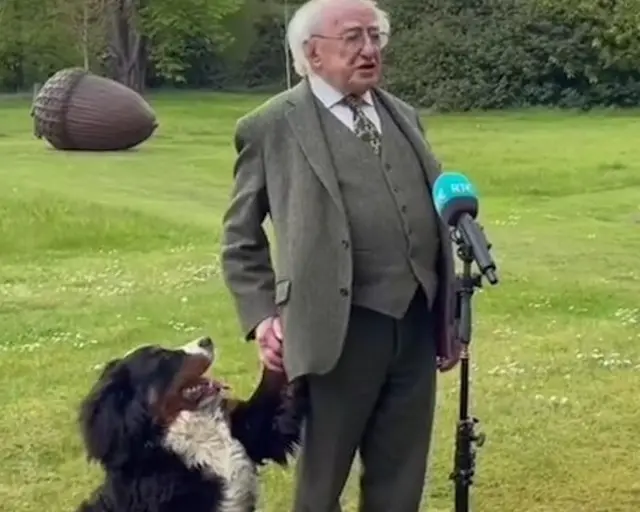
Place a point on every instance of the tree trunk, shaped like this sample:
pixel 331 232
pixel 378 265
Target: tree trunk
pixel 127 47
pixel 85 35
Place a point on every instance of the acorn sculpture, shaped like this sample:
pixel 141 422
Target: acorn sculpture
pixel 78 110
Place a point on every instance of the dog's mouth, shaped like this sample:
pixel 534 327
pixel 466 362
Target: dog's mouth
pixel 191 388
pixel 203 389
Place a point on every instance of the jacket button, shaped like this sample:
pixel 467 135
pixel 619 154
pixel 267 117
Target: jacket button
pixel 345 244
pixel 344 292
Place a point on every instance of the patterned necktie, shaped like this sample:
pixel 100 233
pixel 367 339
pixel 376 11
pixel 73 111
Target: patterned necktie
pixel 363 126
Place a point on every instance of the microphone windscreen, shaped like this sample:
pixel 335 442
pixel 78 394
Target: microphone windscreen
pixel 453 194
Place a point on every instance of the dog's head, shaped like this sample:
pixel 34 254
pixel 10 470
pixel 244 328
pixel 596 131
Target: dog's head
pixel 137 397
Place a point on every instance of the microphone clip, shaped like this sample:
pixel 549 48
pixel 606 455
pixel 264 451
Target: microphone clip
pixel 473 245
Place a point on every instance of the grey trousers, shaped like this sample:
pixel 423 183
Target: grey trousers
pixel 378 400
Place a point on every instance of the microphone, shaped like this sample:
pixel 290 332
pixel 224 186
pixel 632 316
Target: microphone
pixel 456 203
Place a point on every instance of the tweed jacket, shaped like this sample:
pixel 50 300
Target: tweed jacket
pixel 284 172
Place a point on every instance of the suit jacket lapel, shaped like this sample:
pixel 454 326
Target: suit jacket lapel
pixel 307 129
pixel 412 132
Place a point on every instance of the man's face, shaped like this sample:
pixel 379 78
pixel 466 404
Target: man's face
pixel 345 50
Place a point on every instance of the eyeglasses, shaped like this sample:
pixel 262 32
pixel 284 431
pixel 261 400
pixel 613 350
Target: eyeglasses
pixel 354 39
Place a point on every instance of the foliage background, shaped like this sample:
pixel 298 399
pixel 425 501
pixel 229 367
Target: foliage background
pixel 444 54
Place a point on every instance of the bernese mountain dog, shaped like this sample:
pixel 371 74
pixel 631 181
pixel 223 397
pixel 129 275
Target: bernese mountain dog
pixel 170 439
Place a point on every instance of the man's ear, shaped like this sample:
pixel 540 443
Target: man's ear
pixel 311 52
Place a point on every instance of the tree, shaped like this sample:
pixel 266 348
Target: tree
pixel 33 45
pixel 165 33
pixel 173 27
pixel 616 27
pixel 84 21
pixel 126 54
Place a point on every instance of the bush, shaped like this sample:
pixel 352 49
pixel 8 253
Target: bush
pixel 482 54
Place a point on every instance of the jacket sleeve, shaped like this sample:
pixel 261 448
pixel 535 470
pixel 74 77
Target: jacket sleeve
pixel 246 260
pixel 446 305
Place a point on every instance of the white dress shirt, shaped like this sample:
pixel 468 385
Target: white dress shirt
pixel 331 98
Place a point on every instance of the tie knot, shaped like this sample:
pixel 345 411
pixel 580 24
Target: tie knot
pixel 353 101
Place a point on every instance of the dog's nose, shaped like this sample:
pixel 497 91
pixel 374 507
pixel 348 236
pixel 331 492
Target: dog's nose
pixel 206 343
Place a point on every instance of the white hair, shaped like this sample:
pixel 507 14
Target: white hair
pixel 306 19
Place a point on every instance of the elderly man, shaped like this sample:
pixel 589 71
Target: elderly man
pixel 358 301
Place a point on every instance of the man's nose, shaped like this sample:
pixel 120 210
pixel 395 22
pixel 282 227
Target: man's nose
pixel 369 49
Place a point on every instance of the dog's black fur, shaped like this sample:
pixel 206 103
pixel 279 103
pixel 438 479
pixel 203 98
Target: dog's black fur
pixel 121 431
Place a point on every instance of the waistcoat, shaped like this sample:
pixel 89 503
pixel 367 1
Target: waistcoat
pixel 391 216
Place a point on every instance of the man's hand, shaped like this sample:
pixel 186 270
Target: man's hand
pixel 269 338
pixel 444 365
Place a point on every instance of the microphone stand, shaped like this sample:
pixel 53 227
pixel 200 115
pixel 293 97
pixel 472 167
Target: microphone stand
pixel 466 437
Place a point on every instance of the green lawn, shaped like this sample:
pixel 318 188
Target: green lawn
pixel 101 253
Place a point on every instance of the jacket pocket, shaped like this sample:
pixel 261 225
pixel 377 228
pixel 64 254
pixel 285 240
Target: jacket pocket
pixel 283 290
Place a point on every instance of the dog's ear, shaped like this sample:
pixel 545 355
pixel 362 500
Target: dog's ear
pixel 112 417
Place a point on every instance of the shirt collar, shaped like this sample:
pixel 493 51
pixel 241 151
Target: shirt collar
pixel 329 95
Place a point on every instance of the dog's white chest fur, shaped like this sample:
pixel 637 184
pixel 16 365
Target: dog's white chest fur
pixel 203 439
